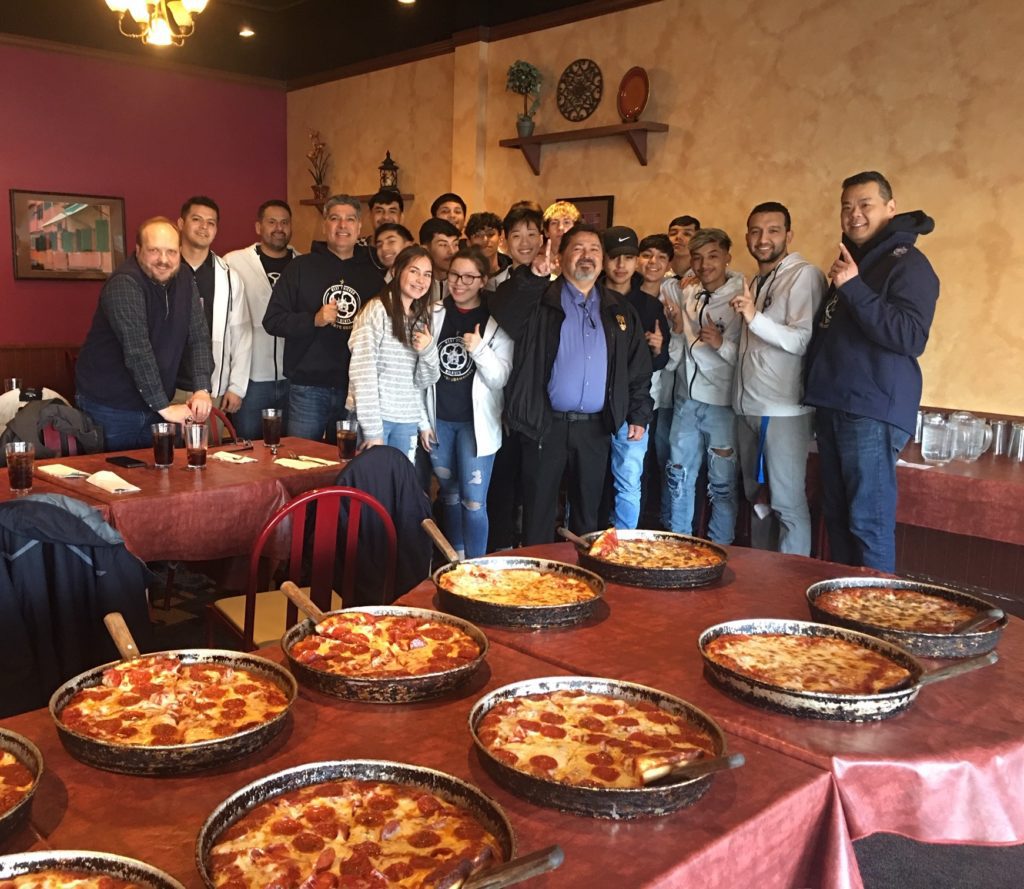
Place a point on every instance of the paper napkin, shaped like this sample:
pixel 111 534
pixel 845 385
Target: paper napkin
pixel 305 464
pixel 228 457
pixel 111 482
pixel 59 470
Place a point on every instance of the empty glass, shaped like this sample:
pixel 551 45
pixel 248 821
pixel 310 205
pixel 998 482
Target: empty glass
pixel 971 436
pixel 936 439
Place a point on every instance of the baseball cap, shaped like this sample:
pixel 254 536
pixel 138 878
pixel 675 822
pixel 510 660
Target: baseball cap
pixel 620 241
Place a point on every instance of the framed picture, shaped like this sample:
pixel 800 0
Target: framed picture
pixel 595 210
pixel 75 237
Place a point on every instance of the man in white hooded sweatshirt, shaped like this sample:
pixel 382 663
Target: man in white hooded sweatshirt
pixel 773 428
pixel 259 266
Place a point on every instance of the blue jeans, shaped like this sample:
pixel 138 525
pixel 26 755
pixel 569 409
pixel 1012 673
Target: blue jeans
pixel 463 478
pixel 857 456
pixel 699 428
pixel 404 436
pixel 314 411
pixel 627 471
pixel 248 420
pixel 662 453
pixel 122 430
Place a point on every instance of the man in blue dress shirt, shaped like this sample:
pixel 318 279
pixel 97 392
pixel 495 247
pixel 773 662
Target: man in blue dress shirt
pixel 582 368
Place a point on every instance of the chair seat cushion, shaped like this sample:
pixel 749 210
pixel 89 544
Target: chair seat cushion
pixel 271 614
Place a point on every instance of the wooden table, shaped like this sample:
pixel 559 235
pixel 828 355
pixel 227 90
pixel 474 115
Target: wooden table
pixel 41 485
pixel 950 769
pixel 183 515
pixel 773 823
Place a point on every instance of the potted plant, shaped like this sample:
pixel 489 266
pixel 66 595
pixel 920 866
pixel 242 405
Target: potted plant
pixel 319 157
pixel 525 79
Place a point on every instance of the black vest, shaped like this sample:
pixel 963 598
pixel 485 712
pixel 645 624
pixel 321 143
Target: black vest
pixel 101 374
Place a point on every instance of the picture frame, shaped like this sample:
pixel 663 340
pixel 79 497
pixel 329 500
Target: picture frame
pixel 596 210
pixel 69 237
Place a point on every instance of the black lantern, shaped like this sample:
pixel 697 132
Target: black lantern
pixel 388 174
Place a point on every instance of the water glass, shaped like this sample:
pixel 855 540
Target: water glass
pixel 936 439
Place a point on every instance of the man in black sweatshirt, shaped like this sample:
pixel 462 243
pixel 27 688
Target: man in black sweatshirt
pixel 861 371
pixel 312 306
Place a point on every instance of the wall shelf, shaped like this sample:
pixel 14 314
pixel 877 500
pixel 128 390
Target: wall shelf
pixel 635 133
pixel 363 198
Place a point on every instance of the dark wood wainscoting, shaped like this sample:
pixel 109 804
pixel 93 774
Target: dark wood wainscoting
pixel 51 365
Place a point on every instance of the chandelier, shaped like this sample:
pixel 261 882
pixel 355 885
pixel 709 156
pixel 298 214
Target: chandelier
pixel 159 23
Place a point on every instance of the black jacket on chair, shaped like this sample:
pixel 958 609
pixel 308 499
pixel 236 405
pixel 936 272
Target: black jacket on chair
pixel 62 568
pixel 386 473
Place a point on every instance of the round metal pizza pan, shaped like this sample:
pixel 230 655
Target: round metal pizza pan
pixel 443 785
pixel 666 578
pixel 520 615
pixel 826 705
pixel 29 756
pixel 389 689
pixel 98 863
pixel 173 759
pixel 939 645
pixel 597 802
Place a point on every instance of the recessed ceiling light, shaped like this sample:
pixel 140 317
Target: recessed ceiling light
pixel 246 31
pixel 407 2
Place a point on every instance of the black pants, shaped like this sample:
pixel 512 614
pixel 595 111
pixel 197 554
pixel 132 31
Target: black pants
pixel 504 496
pixel 582 446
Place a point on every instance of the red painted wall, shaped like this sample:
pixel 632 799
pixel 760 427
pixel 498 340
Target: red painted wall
pixel 74 124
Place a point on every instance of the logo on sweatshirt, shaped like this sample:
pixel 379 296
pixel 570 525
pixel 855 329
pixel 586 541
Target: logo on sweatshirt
pixel 456 362
pixel 347 300
pixel 900 251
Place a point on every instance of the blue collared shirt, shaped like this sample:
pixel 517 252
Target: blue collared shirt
pixel 580 373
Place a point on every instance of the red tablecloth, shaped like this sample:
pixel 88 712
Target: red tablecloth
pixel 193 516
pixel 773 823
pixel 950 769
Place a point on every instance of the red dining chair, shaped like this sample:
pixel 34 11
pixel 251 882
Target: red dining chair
pixel 323 521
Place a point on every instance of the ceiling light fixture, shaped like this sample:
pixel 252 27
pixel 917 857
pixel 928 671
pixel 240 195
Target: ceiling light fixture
pixel 246 31
pixel 159 23
pixel 407 2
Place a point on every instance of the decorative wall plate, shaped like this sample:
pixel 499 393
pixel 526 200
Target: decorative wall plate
pixel 579 89
pixel 634 90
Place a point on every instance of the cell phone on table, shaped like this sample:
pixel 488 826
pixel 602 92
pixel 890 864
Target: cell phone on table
pixel 126 462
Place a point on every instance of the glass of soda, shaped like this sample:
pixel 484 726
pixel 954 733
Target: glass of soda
pixel 20 456
pixel 346 439
pixel 196 440
pixel 273 421
pixel 163 444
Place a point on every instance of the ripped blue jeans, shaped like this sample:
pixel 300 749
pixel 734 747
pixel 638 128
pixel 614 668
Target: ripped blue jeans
pixel 404 436
pixel 463 478
pixel 700 429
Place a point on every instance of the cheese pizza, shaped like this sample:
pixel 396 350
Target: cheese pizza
pixel 15 781
pixel 365 645
pixel 353 833
pixel 56 878
pixel 161 700
pixel 653 552
pixel 515 586
pixel 896 609
pixel 587 739
pixel 807 663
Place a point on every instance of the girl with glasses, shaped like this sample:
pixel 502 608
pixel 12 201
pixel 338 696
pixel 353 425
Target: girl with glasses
pixel 464 405
pixel 393 357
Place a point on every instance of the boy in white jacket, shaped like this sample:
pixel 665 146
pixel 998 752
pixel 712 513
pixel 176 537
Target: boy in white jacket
pixel 773 427
pixel 704 343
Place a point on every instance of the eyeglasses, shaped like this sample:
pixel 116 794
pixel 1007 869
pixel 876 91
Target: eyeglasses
pixel 456 278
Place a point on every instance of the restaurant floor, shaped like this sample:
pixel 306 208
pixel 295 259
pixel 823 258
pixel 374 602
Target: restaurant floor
pixel 886 861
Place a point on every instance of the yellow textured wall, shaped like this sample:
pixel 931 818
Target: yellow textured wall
pixel 764 102
pixel 406 109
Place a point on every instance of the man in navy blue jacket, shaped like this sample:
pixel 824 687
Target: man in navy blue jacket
pixel 862 373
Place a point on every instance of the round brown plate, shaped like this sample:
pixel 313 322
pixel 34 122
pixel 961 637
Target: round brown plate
pixel 634 90
pixel 579 90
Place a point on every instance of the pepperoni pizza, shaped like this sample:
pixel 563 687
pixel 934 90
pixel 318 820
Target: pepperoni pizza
pixel 652 552
pixel 588 739
pixel 15 781
pixel 353 833
pixel 365 645
pixel 161 700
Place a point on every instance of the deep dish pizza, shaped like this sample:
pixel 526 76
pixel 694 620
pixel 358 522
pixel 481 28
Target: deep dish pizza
pixel 161 700
pixel 589 740
pixel 366 645
pixel 807 663
pixel 353 833
pixel 515 586
pixel 653 552
pixel 56 878
pixel 15 781
pixel 897 609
